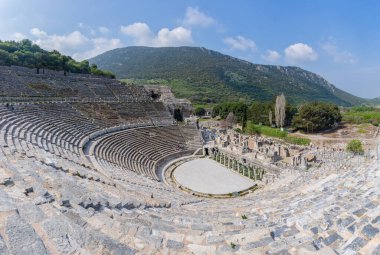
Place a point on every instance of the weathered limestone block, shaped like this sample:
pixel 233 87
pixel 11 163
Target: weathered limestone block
pixel 3 247
pixel 7 182
pixel 43 199
pixel 67 237
pixel 6 203
pixel 174 245
pixel 30 212
pixel 201 249
pixel 22 239
pixel 98 243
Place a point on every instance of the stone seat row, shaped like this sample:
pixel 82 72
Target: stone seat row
pixel 64 131
pixel 18 81
pixel 140 149
pixel 60 128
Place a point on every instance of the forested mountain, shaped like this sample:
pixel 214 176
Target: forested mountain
pixel 204 75
pixel 25 53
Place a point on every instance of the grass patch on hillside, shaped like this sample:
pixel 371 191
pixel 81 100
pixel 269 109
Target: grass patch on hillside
pixel 363 128
pixel 297 140
pixel 276 133
pixel 265 130
pixel 362 115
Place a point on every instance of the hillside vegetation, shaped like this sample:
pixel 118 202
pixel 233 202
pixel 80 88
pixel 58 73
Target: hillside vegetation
pixel 275 132
pixel 206 76
pixel 362 115
pixel 25 53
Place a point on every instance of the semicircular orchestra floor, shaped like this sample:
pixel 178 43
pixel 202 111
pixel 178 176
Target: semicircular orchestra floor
pixel 209 177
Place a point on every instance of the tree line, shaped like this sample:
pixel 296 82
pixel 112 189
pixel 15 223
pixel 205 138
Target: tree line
pixel 25 53
pixel 309 117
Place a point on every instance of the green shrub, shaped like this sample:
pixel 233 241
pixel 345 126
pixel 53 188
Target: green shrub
pixel 238 130
pixel 317 116
pixel 355 146
pixel 275 132
pixel 360 117
pixel 199 111
pixel 297 140
pixel 265 130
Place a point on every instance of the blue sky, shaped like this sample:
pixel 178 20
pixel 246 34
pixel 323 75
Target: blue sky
pixel 338 39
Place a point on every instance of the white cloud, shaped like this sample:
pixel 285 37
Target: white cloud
pixel 300 52
pixel 194 17
pixel 139 31
pixel 58 42
pixel 271 56
pixel 144 36
pixel 103 30
pixel 176 37
pixel 37 32
pixel 18 36
pixel 338 55
pixel 99 46
pixel 240 43
pixel 75 44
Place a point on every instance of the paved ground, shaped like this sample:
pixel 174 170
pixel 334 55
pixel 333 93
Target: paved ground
pixel 208 176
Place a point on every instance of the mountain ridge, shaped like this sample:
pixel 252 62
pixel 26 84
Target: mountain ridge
pixel 205 75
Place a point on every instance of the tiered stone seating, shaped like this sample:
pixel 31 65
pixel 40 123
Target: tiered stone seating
pixel 193 135
pixel 157 112
pixel 60 128
pixel 22 82
pixel 140 149
pixel 55 199
pixel 73 209
pixel 12 85
pixel 100 113
pixel 131 112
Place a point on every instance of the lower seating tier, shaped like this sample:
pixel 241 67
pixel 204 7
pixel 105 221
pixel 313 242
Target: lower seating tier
pixel 63 128
pixel 140 149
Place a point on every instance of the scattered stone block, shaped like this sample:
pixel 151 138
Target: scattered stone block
pixel 343 223
pixel 174 245
pixel 352 228
pixel 7 182
pixel 355 245
pixel 332 238
pixel 45 198
pixel 201 227
pixel 28 190
pixel 359 213
pixel 65 203
pixel 314 230
pixel 3 247
pixel 318 243
pixel 376 220
pixel 22 239
pixel 260 243
pixel 369 231
pixel 31 213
